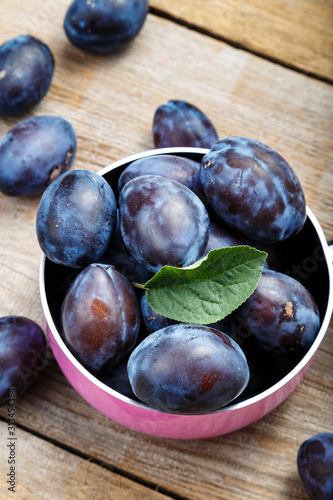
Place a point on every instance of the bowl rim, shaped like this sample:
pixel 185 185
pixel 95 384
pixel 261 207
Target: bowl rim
pixel 231 407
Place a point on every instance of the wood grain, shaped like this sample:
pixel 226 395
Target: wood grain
pixel 111 101
pixel 298 33
pixel 234 466
pixel 72 477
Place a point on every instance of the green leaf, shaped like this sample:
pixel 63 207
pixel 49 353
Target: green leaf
pixel 208 290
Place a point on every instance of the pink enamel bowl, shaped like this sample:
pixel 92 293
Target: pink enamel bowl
pixel 308 257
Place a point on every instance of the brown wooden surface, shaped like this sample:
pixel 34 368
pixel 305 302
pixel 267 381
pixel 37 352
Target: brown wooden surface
pixel 65 447
pixel 294 33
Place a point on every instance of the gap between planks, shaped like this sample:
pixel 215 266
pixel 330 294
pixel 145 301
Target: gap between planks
pixel 193 27
pixel 114 469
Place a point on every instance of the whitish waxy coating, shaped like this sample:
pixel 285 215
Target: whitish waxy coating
pixel 178 168
pixel 26 71
pixel 76 218
pixel 187 369
pixel 104 25
pixel 34 153
pixel 162 222
pixel 179 123
pixel 253 189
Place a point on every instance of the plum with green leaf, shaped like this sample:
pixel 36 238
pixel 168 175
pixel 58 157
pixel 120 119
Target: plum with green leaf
pixel 162 222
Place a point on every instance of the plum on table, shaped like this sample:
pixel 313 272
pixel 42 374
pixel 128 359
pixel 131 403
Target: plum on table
pixel 22 354
pixel 34 153
pixel 26 72
pixel 104 25
pixel 180 123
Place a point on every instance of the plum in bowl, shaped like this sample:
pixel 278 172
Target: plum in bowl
pixel 306 256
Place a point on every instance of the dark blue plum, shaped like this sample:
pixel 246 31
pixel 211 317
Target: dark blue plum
pixel 22 355
pixel 34 153
pixel 222 236
pixel 118 255
pixel 104 25
pixel 100 317
pixel 178 168
pixel 315 466
pixel 26 71
pixel 76 218
pixel 162 222
pixel 253 189
pixel 117 379
pixel 151 319
pixel 179 123
pixel 281 315
pixel 189 369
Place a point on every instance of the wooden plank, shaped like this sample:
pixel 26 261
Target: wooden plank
pixel 37 460
pixel 234 466
pixel 298 33
pixel 111 101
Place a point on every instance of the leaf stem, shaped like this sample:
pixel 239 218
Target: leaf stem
pixel 139 285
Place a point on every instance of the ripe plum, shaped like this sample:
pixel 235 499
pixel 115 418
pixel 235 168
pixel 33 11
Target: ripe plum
pixel 100 317
pixel 187 369
pixel 315 466
pixel 178 168
pixel 151 319
pixel 26 71
pixel 34 153
pixel 162 222
pixel 179 123
pixel 117 379
pixel 253 189
pixel 281 314
pixel 118 255
pixel 221 236
pixel 104 25
pixel 22 354
pixel 76 218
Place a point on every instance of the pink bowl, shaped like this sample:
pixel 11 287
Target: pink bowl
pixel 307 257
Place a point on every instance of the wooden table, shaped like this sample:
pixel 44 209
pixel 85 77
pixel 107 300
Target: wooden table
pixel 259 69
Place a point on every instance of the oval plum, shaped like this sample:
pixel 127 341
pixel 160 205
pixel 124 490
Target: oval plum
pixel 253 189
pixel 34 153
pixel 281 314
pixel 26 71
pixel 104 25
pixel 179 123
pixel 162 222
pixel 76 218
pixel 187 369
pixel 100 317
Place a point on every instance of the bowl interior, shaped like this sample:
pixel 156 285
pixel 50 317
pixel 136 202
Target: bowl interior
pixel 304 257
